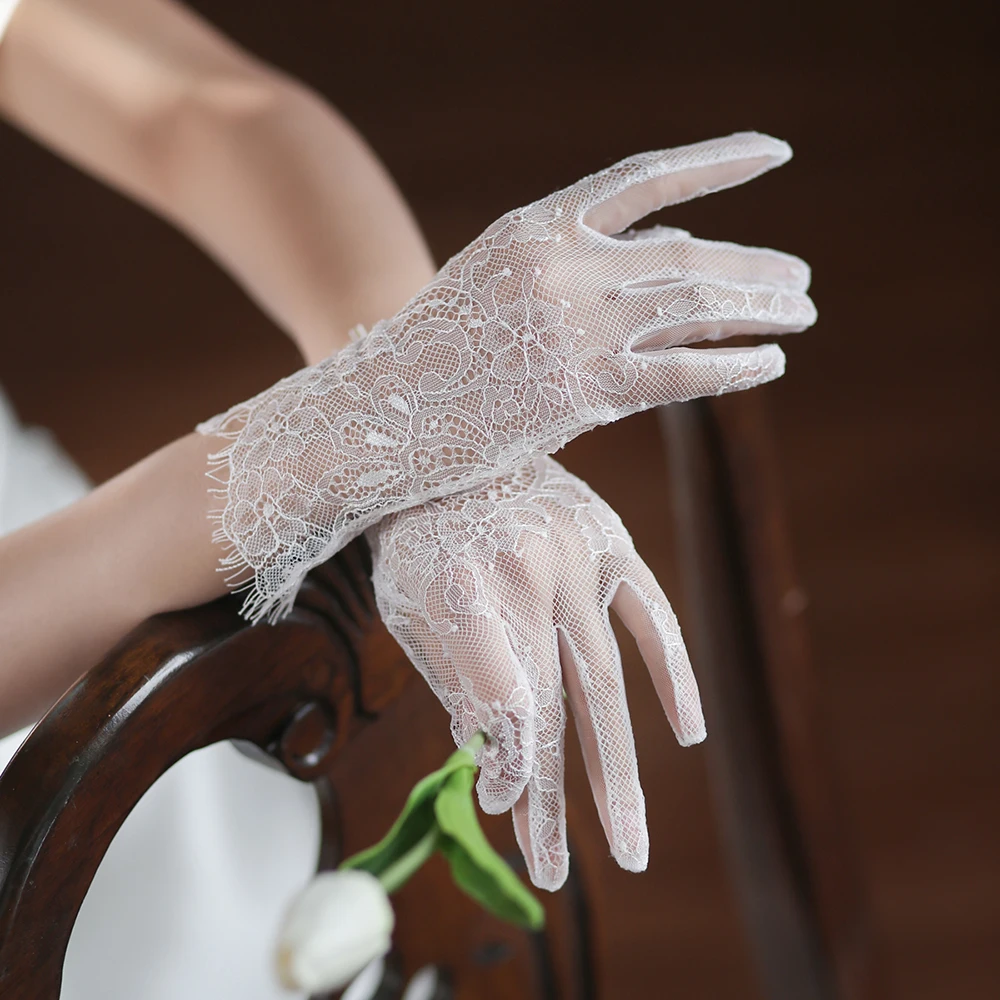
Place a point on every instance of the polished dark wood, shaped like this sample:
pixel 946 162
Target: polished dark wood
pixel 296 695
pixel 804 907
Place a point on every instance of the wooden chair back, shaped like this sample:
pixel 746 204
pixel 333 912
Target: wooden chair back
pixel 318 695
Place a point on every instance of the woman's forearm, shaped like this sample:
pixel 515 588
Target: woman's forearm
pixel 276 186
pixel 72 584
pixel 257 169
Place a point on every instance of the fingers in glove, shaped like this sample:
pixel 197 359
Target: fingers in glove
pixel 687 312
pixel 592 676
pixel 683 373
pixel 492 693
pixel 628 191
pixel 646 613
pixel 659 256
pixel 540 813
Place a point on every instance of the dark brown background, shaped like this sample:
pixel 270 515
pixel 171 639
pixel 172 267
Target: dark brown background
pixel 119 335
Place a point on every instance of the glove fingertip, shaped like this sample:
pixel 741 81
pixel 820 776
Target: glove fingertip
pixel 764 144
pixel 692 737
pixel 498 794
pixel 548 875
pixel 633 861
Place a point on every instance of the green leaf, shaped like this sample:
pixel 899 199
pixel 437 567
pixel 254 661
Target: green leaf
pixel 440 814
pixel 475 865
pixel 415 821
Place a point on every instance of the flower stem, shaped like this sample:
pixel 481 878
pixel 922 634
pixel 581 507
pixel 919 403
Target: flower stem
pixel 474 743
pixel 399 872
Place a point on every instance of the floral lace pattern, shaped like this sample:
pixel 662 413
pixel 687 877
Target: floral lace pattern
pixel 480 589
pixel 542 328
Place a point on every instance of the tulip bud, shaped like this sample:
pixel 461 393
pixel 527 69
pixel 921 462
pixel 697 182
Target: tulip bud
pixel 338 924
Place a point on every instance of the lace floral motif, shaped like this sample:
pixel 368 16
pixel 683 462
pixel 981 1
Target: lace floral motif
pixel 541 328
pixel 477 588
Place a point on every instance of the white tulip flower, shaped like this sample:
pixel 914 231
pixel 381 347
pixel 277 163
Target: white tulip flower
pixel 338 924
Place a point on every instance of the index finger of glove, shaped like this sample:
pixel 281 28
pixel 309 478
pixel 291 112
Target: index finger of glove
pixel 497 699
pixel 620 195
pixel 471 667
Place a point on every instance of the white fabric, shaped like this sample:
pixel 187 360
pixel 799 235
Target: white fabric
pixel 36 476
pixel 188 900
pixel 500 597
pixel 7 8
pixel 543 327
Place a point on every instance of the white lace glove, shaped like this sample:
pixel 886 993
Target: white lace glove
pixel 500 598
pixel 543 327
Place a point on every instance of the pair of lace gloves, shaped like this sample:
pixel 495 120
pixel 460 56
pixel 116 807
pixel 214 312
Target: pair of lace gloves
pixel 494 567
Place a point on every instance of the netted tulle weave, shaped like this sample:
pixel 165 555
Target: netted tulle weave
pixel 545 326
pixel 500 597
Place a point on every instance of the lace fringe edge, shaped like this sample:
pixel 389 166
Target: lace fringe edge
pixel 260 604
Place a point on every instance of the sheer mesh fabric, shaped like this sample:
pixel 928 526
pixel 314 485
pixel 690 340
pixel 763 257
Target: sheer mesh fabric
pixel 548 324
pixel 500 597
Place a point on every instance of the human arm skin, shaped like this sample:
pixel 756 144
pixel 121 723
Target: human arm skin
pixel 257 169
pixel 276 186
pixel 73 583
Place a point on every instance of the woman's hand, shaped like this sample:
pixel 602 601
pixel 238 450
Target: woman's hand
pixel 542 328
pixel 500 597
